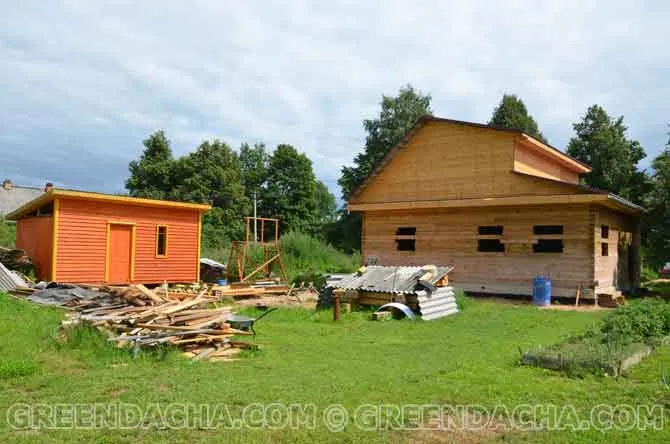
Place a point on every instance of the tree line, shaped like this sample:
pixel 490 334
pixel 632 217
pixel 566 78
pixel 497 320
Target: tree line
pixel 282 182
pixel 285 187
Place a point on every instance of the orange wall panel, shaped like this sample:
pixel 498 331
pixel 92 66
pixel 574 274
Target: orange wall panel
pixel 82 241
pixel 35 234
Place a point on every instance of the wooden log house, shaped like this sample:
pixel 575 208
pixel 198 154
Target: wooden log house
pixel 500 206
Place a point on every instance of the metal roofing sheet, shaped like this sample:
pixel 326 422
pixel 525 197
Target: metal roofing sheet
pixel 399 280
pixel 9 280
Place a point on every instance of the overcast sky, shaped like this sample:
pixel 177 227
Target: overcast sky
pixel 83 82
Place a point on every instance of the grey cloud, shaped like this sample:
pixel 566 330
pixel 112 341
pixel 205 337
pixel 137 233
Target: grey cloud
pixel 84 83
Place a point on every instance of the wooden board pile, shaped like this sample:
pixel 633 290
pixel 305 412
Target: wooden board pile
pixel 247 290
pixel 143 319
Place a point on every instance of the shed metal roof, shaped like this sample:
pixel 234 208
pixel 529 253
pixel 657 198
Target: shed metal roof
pixel 398 280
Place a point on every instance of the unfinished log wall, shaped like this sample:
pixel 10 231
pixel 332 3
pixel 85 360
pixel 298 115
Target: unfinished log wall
pixel 451 237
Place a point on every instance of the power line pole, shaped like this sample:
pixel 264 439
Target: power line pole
pixel 255 220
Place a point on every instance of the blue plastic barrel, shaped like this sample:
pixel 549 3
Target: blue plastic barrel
pixel 222 282
pixel 541 290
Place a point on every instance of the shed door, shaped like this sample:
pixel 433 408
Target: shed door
pixel 119 259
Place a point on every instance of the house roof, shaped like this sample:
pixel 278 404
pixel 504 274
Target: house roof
pixel 558 155
pixel 85 195
pixel 587 195
pixel 616 199
pixel 15 197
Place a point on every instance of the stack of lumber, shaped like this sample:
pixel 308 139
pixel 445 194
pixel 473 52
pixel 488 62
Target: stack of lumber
pixel 247 290
pixel 199 330
pixel 17 260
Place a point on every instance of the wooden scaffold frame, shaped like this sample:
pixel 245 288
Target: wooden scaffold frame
pixel 239 252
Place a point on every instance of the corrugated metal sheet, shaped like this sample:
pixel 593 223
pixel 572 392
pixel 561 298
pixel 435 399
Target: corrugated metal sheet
pixel 9 280
pixel 437 304
pixel 398 280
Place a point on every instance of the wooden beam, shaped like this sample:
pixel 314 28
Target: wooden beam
pixel 482 202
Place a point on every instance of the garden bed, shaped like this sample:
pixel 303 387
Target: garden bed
pixel 588 354
pixel 622 339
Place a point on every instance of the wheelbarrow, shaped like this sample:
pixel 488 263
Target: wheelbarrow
pixel 246 323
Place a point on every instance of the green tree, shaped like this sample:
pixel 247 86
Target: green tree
pixel 601 142
pixel 512 113
pixel 151 176
pixel 398 115
pixel 213 174
pixel 290 190
pixel 326 207
pixel 657 220
pixel 254 162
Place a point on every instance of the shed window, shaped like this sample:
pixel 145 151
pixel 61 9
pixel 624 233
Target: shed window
pixel 550 239
pixel 491 229
pixel 406 244
pixel 490 239
pixel 406 238
pixel 548 246
pixel 604 249
pixel 490 246
pixel 406 231
pixel 604 231
pixel 547 229
pixel 161 240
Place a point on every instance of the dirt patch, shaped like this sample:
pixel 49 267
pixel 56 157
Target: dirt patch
pixel 465 428
pixel 568 307
pixel 61 363
pixel 306 300
pixel 117 392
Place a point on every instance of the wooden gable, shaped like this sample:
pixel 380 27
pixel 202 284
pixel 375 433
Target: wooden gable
pixel 446 161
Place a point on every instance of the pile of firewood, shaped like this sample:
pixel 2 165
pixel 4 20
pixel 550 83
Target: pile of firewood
pixel 17 260
pixel 143 319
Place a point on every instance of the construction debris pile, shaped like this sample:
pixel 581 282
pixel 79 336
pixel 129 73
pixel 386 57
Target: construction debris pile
pixel 137 317
pixel 425 290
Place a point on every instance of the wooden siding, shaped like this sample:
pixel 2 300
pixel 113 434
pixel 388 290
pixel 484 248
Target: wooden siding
pixel 447 161
pixel 449 237
pixel 82 241
pixel 534 162
pixel 34 235
pixel 617 270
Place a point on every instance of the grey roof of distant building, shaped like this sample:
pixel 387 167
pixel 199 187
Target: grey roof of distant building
pixel 17 196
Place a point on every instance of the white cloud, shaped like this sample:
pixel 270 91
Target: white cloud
pixel 83 83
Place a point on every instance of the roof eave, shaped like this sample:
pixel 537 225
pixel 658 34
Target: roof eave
pixel 556 154
pixel 127 200
pixel 31 206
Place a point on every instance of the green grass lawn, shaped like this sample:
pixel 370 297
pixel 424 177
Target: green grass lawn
pixel 469 358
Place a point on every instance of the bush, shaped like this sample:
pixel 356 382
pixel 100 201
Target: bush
pixel 638 321
pixel 305 258
pixel 648 274
pixel 304 254
pixel 7 234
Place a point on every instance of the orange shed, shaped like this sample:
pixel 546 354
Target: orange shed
pixel 82 237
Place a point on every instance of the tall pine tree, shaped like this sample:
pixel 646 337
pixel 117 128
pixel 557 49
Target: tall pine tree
pixel 657 220
pixel 151 176
pixel 511 113
pixel 600 141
